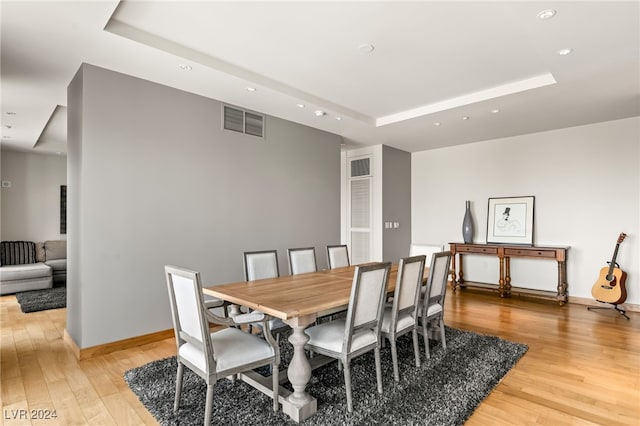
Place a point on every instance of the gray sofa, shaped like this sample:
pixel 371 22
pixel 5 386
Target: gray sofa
pixel 25 265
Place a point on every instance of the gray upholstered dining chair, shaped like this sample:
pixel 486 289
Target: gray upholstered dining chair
pixel 337 256
pixel 432 306
pixel 260 265
pixel 225 352
pixel 302 260
pixel 358 333
pixel 402 316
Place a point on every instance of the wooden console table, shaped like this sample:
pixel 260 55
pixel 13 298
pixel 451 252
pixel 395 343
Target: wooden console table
pixel 504 253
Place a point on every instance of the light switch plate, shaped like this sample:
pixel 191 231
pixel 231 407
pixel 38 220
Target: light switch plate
pixel 6 184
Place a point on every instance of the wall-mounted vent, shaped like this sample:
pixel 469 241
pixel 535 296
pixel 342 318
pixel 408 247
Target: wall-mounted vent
pixel 238 120
pixel 360 167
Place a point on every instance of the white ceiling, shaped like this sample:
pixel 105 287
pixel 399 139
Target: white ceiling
pixel 432 62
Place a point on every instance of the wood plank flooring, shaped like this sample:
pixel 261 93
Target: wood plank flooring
pixel 582 367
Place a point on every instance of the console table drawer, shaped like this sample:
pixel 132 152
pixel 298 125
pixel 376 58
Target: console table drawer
pixel 481 250
pixel 550 254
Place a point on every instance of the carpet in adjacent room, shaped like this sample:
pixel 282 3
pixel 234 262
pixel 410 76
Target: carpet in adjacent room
pixel 40 300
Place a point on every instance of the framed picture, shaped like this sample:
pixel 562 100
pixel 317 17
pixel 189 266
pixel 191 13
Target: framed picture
pixel 510 220
pixel 63 209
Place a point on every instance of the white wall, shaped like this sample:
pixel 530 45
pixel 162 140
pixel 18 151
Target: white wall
pixel 31 206
pixel 586 183
pixel 155 181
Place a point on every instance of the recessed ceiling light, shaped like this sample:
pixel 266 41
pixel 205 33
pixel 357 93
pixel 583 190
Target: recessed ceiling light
pixel 366 48
pixel 320 113
pixel 437 123
pixel 11 113
pixel 251 89
pixel 546 14
pixel 565 52
pixel 339 118
pixel 8 126
pixel 185 67
pixel 465 117
pixel 495 111
pixel 300 105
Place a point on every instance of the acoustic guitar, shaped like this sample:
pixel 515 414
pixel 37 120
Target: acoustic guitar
pixel 610 285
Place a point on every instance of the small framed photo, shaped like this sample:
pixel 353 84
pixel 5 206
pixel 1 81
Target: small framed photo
pixel 510 220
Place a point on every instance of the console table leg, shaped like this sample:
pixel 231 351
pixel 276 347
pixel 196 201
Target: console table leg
pixel 507 276
pixel 454 281
pixel 460 273
pixel 501 280
pixel 562 282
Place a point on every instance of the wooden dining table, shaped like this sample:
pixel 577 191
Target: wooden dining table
pixel 298 300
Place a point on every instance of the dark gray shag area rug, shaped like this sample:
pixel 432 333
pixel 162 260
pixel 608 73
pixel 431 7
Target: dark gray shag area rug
pixel 41 300
pixel 445 390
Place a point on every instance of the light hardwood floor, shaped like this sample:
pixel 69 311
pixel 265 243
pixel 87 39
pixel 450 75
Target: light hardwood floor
pixel 581 368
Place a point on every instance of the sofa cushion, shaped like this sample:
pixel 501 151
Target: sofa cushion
pixel 57 265
pixel 40 257
pixel 10 287
pixel 17 252
pixel 55 249
pixel 24 272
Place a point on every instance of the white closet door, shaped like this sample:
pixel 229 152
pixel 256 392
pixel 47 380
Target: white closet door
pixel 360 219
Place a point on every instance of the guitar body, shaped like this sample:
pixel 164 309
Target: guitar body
pixel 610 285
pixel 613 291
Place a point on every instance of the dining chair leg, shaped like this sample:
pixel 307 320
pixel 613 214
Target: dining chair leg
pixel 425 334
pixel 378 369
pixel 416 348
pixel 394 360
pixel 347 386
pixel 276 386
pixel 209 404
pixel 444 342
pixel 176 403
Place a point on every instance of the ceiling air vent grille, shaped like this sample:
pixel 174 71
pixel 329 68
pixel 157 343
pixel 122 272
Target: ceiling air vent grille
pixel 241 121
pixel 360 167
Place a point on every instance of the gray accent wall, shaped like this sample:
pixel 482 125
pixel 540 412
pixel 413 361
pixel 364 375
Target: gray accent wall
pixel 154 180
pixel 396 203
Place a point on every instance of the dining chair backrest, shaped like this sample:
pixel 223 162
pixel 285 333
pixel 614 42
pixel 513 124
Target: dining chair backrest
pixel 427 249
pixel 187 309
pixel 302 260
pixel 437 280
pixel 259 265
pixel 366 302
pixel 337 256
pixel 408 283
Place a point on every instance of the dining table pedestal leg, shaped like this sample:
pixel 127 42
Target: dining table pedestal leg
pixel 299 405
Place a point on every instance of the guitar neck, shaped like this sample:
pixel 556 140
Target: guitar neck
pixel 612 265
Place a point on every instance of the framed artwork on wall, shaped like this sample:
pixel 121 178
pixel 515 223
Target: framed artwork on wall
pixel 510 220
pixel 63 209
